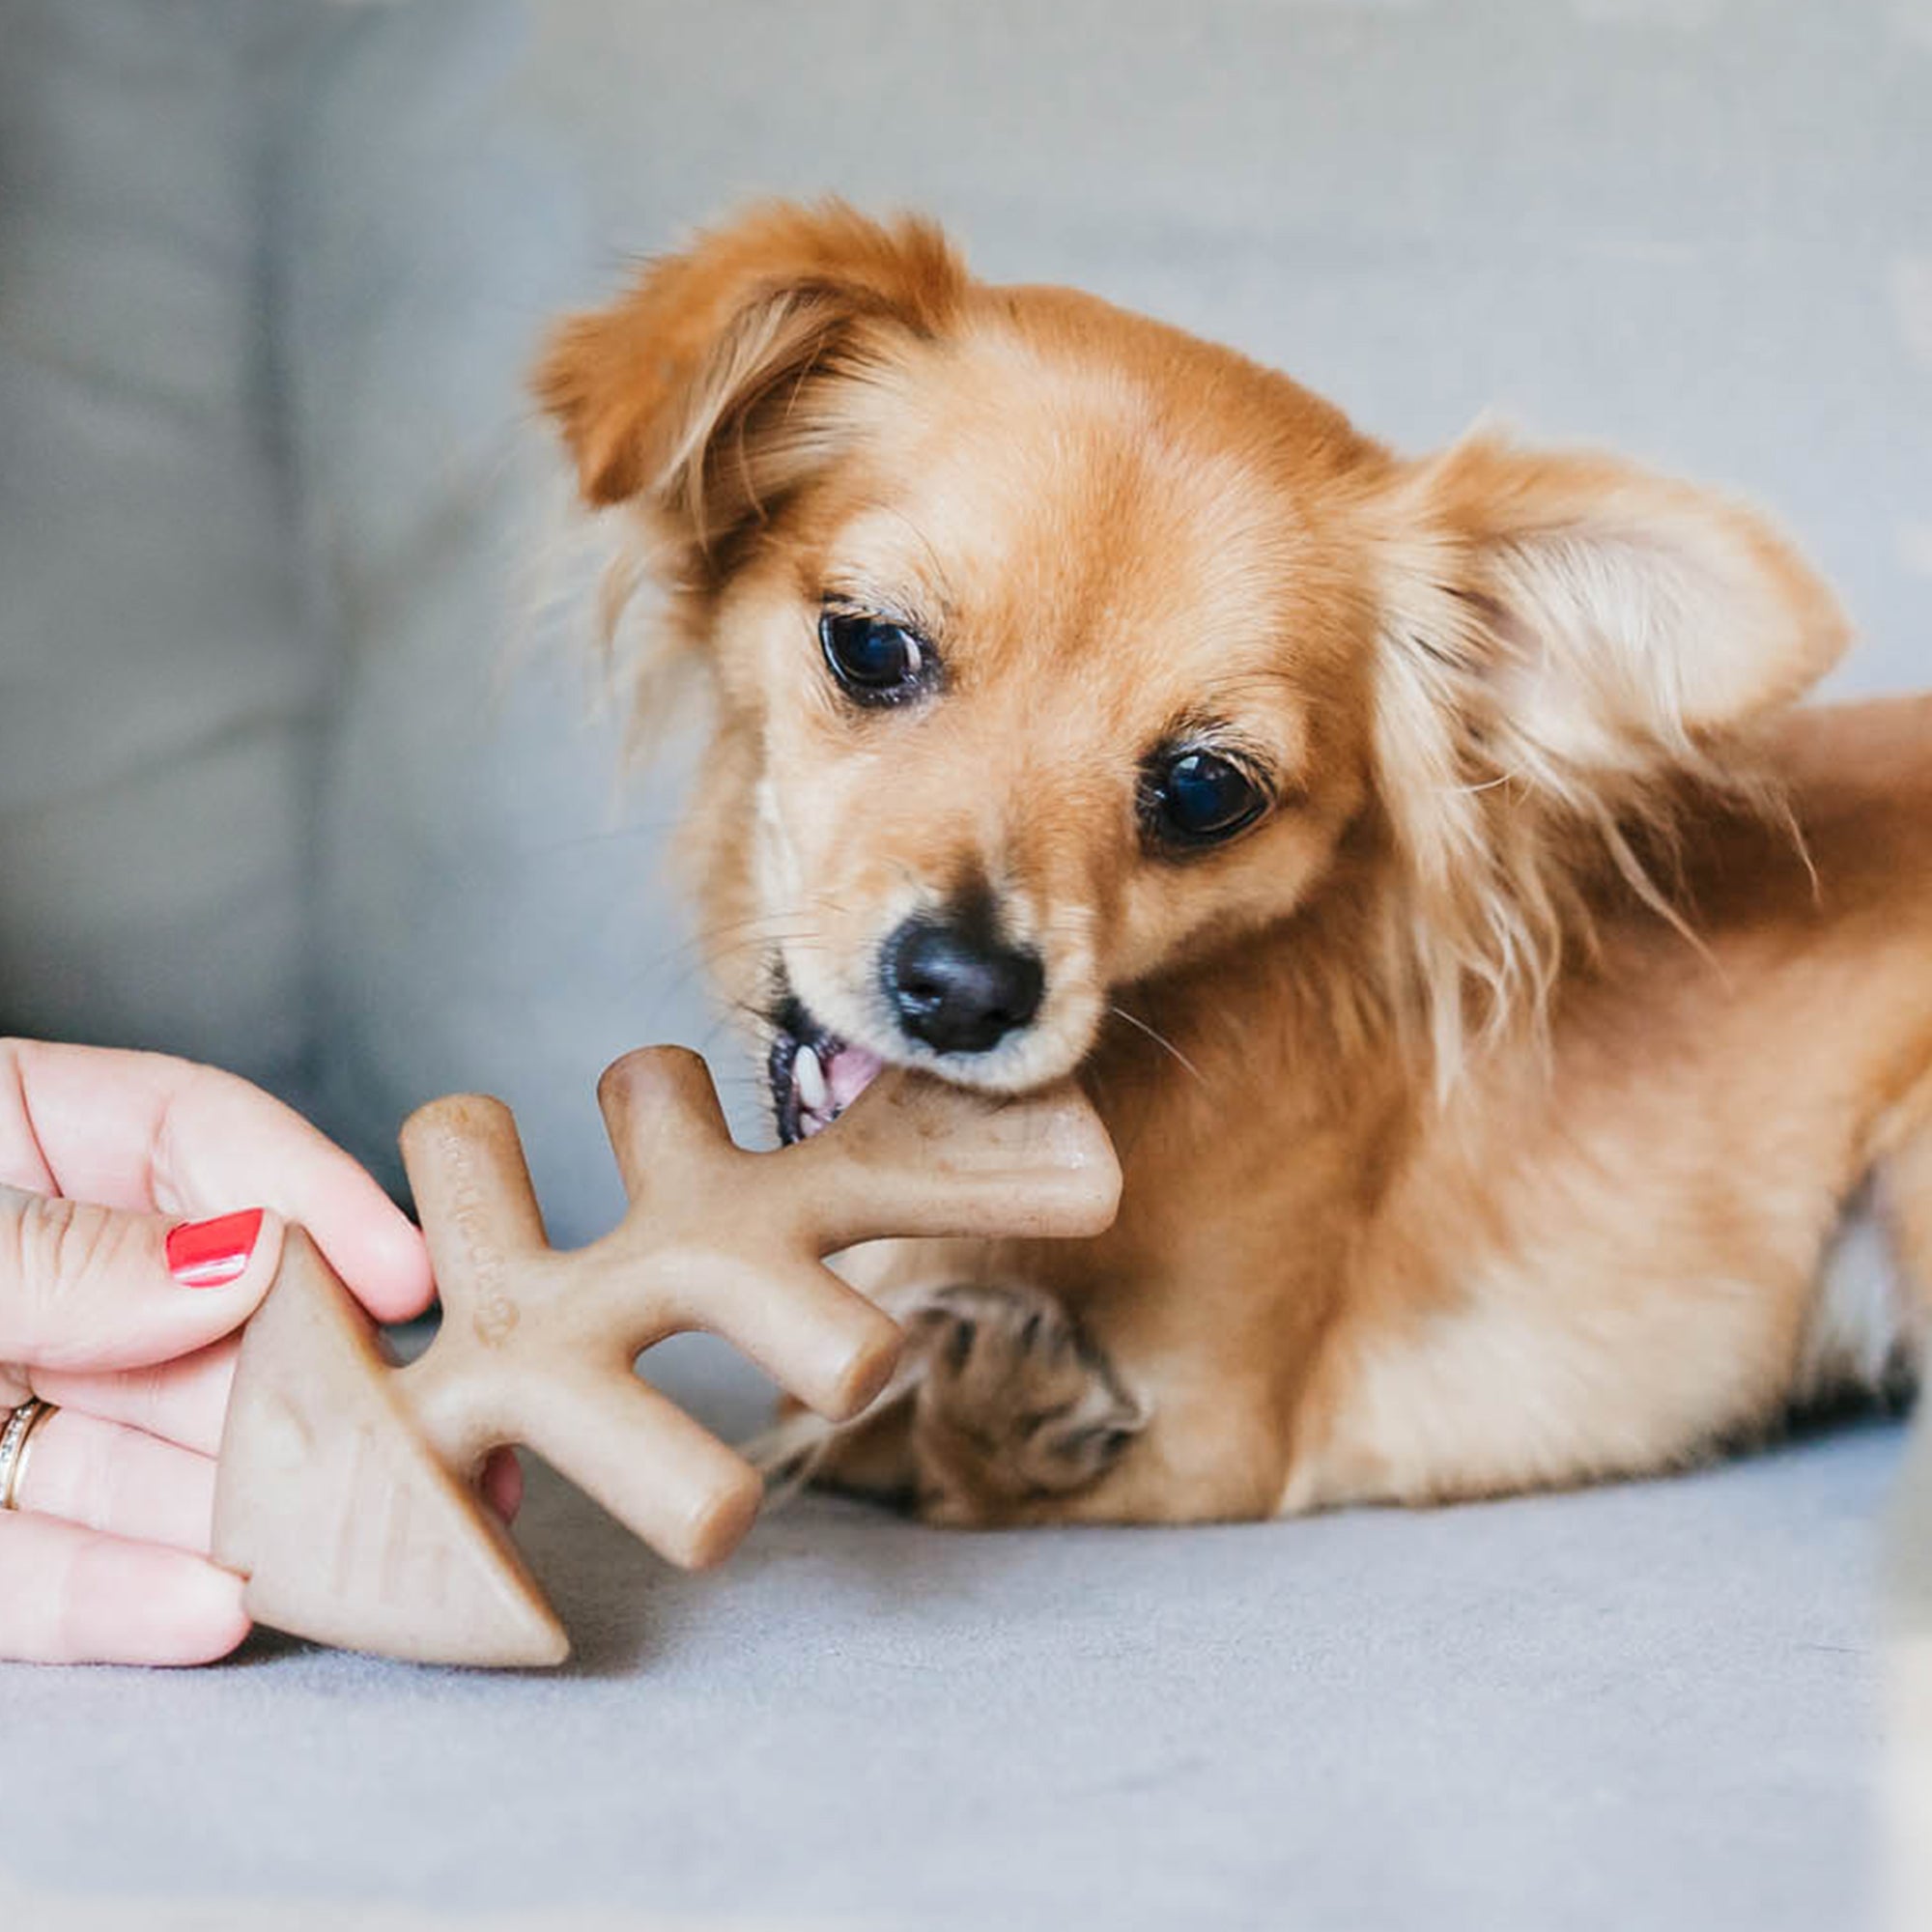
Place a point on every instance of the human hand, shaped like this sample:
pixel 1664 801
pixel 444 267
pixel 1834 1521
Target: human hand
pixel 142 1206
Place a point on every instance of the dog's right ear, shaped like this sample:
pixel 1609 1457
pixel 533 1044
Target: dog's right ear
pixel 1570 650
pixel 701 391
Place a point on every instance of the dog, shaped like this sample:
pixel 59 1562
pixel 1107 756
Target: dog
pixel 1498 988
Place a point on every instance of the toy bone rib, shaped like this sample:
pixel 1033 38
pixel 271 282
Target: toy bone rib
pixel 343 1494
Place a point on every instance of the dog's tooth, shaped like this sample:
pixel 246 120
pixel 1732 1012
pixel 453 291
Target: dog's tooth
pixel 809 1077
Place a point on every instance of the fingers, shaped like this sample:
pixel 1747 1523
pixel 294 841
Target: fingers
pixel 89 1288
pixel 117 1477
pixel 106 1476
pixel 70 1595
pixel 183 1402
pixel 142 1131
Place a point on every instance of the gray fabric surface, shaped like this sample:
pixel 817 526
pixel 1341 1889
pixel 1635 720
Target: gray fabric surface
pixel 1907 1677
pixel 159 694
pixel 1636 1708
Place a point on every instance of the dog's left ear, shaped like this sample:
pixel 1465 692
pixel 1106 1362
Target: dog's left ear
pixel 1562 640
pixel 1592 618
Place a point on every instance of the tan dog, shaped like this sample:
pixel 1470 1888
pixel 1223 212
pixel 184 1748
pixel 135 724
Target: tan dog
pixel 1497 991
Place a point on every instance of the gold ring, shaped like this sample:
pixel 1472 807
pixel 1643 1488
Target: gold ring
pixel 16 1439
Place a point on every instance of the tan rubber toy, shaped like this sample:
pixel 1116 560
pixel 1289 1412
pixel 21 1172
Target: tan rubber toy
pixel 345 1494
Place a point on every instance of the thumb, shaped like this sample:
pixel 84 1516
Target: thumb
pixel 93 1288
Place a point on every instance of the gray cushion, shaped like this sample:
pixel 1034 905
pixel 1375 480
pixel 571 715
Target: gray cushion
pixel 158 696
pixel 300 774
pixel 1641 1707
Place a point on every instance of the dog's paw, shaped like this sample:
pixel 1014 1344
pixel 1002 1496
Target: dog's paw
pixel 1014 1408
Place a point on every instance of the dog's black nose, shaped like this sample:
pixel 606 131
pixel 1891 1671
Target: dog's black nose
pixel 956 990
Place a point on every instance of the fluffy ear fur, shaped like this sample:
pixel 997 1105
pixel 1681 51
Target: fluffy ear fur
pixel 1571 648
pixel 695 392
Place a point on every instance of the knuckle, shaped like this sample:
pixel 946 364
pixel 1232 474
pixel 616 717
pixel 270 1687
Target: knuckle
pixel 56 1252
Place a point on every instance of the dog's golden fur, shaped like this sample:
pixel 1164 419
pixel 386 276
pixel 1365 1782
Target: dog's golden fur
pixel 1489 1108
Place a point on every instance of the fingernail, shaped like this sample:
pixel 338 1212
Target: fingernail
pixel 211 1254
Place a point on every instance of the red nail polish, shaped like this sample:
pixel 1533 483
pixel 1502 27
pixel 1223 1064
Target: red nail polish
pixel 211 1254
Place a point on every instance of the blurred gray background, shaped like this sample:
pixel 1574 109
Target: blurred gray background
pixel 300 768
pixel 303 770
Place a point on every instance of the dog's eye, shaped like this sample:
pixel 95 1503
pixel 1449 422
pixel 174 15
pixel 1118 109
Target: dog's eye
pixel 877 661
pixel 1199 798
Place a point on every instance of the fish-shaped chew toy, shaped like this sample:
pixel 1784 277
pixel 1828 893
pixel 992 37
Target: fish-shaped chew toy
pixel 345 1490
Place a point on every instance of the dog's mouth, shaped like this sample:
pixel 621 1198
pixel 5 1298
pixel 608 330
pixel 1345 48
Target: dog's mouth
pixel 814 1075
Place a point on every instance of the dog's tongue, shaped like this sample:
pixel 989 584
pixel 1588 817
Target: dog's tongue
pixel 828 1082
pixel 852 1071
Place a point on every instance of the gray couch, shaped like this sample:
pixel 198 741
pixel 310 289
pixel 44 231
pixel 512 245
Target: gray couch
pixel 302 770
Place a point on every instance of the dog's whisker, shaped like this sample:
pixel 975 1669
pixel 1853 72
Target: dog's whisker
pixel 705 938
pixel 577 842
pixel 751 922
pixel 1159 1038
pixel 686 961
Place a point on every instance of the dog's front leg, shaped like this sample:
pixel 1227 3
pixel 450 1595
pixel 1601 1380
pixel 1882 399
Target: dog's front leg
pixel 1013 1409
pixel 1027 1412
pixel 1002 1410
pixel 1014 1412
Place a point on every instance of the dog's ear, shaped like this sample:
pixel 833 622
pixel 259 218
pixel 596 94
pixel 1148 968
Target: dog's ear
pixel 700 390
pixel 1567 642
pixel 1602 614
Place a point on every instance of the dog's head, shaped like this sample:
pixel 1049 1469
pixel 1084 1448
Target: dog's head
pixel 1054 649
